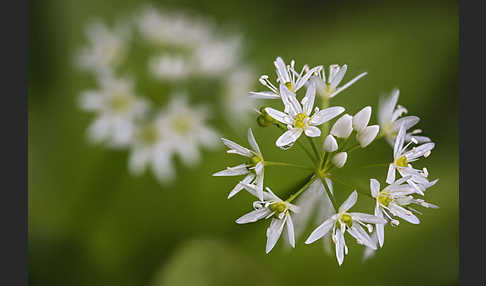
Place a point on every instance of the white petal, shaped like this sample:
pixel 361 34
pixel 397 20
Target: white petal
pixel 406 122
pixel 325 115
pixel 361 119
pixel 419 151
pixel 273 233
pixel 308 100
pixel 339 246
pixel 320 231
pixel 380 228
pixel 404 214
pixel 343 126
pixel 279 116
pixel 340 159
pixel 349 202
pixel 386 107
pixel 329 185
pixel 290 231
pixel 289 137
pixel 248 179
pixel 374 187
pixel 264 95
pixel 367 218
pixel 233 171
pixel 312 131
pixel 361 235
pixel 236 148
pixel 138 160
pixel 349 83
pixel 399 140
pixel 282 71
pixel 390 176
pixel 253 216
pixel 330 144
pixel 90 101
pixel 252 141
pixel 367 135
pixel 290 101
pixel 338 77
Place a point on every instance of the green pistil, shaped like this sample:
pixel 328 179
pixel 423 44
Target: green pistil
pixel 346 219
pixel 299 120
pixel 289 86
pixel 255 160
pixel 401 162
pixel 384 198
pixel 278 207
pixel 120 103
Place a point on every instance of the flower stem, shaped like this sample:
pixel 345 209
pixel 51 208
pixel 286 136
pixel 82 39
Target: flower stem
pixel 313 144
pixel 306 151
pixel 303 188
pixel 329 194
pixel 271 163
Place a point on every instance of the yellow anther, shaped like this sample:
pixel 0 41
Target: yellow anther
pixel 401 162
pixel 384 198
pixel 278 207
pixel 346 219
pixel 289 86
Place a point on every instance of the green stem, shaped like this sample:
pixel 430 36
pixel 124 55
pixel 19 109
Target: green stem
pixel 313 144
pixel 306 151
pixel 331 196
pixel 304 187
pixel 271 163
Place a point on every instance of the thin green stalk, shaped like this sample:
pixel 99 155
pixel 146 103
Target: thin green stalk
pixel 303 188
pixel 306 151
pixel 331 196
pixel 314 147
pixel 284 164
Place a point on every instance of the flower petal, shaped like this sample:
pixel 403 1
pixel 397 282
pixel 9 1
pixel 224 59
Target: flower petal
pixel 349 202
pixel 312 131
pixel 279 115
pixel 253 216
pixel 289 137
pixel 252 141
pixel 321 230
pixel 325 115
pixel 374 187
pixel 273 233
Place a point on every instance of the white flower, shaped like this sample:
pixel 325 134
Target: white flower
pixel 215 56
pixel 178 129
pixel 117 109
pixel 340 159
pixel 105 50
pixel 329 88
pixel 344 221
pixel 236 101
pixel 330 144
pixel 388 119
pixel 271 207
pixel 287 76
pixel 402 159
pixel 253 169
pixel 394 200
pixel 186 129
pixel 298 118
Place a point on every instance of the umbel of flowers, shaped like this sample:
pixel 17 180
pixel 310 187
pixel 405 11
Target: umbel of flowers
pixel 182 48
pixel 328 135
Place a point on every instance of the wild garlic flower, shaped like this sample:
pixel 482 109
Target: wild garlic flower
pixel 329 88
pixel 298 118
pixel 271 207
pixel 254 169
pixel 364 134
pixel 394 201
pixel 106 48
pixel 287 76
pixel 402 157
pixel 351 222
pixel 171 67
pixel 117 109
pixel 390 122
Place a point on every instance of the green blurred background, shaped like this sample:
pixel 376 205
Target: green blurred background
pixel 91 223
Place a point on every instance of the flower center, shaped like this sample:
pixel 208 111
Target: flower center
pixel 278 207
pixel 120 103
pixel 182 125
pixel 346 219
pixel 401 162
pixel 149 134
pixel 289 86
pixel 255 160
pixel 300 120
pixel 384 198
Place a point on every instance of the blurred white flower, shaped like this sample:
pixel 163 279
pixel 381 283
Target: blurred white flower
pixel 390 121
pixel 298 118
pixel 344 221
pixel 215 56
pixel 254 169
pixel 117 109
pixel 105 49
pixel 271 207
pixel 329 88
pixel 237 103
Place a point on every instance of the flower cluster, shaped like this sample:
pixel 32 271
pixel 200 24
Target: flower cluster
pixel 327 136
pixel 179 48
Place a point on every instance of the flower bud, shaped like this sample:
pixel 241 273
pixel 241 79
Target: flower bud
pixel 340 159
pixel 343 126
pixel 264 120
pixel 367 135
pixel 330 144
pixel 361 119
